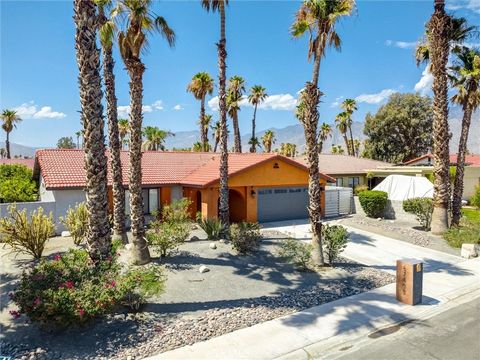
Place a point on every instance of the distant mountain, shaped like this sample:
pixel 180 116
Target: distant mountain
pixel 19 150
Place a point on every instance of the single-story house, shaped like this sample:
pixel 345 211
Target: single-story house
pixel 18 161
pixel 348 171
pixel 262 187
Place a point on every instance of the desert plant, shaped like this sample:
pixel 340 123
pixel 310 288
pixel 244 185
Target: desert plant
pixel 360 188
pixel 27 233
pixel 422 208
pixel 213 227
pixel 475 199
pixel 467 233
pixel 335 240
pixel 177 211
pixel 76 221
pixel 373 202
pixel 296 252
pixel 245 236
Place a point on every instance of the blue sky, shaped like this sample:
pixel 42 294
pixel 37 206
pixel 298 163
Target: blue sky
pixel 39 72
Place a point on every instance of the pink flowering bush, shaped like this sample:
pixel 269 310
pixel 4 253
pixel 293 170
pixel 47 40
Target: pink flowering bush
pixel 70 290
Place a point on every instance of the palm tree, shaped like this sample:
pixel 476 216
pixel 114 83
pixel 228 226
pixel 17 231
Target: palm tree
pixel 3 153
pixel 268 139
pixel 155 138
pixel 216 128
pixel 325 133
pixel 139 21
pixel 123 129
pixel 337 149
pixel 356 145
pixel 349 106
pixel 200 86
pixel 107 30
pixel 207 119
pixel 80 134
pixel 318 19
pixel 220 5
pixel 9 122
pixel 465 78
pixel 236 88
pixel 342 125
pixel 257 96
pixel 90 84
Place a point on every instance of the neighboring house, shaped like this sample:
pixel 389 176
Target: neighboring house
pixel 18 161
pixel 348 171
pixel 263 187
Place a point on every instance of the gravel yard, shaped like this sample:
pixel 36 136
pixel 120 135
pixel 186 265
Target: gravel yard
pixel 236 292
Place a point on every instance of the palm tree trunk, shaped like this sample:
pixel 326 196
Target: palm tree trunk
pixel 269 147
pixel 88 59
pixel 222 79
pixel 351 139
pixel 253 148
pixel 203 131
pixel 345 137
pixel 216 144
pixel 141 254
pixel 320 146
pixel 236 131
pixel 116 165
pixel 439 50
pixel 310 125
pixel 458 183
pixel 7 144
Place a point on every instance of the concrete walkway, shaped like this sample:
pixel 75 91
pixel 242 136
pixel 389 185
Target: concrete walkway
pixel 323 330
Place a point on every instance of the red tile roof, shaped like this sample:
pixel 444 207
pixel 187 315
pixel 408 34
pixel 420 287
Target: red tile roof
pixel 335 164
pixel 420 158
pixel 64 168
pixel 470 160
pixel 27 162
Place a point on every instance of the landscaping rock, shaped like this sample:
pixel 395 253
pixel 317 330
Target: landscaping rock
pixel 194 238
pixel 66 234
pixel 203 269
pixel 468 251
pixel 213 246
pixel 222 241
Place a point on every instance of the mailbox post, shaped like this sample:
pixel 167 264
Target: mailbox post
pixel 409 281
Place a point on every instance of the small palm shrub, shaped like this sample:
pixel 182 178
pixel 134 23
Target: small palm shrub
pixel 76 222
pixel 475 199
pixel 422 208
pixel 360 188
pixel 297 253
pixel 335 238
pixel 71 289
pixel 27 234
pixel 244 237
pixel 212 227
pixel 373 202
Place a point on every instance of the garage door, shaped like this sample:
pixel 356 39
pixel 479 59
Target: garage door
pixel 287 203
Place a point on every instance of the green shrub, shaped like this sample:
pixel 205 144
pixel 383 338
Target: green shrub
pixel 360 188
pixel 212 227
pixel 467 233
pixel 177 211
pixel 422 208
pixel 27 234
pixel 244 237
pixel 334 239
pixel 373 202
pixel 76 222
pixel 297 253
pixel 475 199
pixel 16 184
pixel 70 289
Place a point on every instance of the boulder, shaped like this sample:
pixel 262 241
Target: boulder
pixel 221 241
pixel 213 246
pixel 203 269
pixel 194 238
pixel 468 251
pixel 66 234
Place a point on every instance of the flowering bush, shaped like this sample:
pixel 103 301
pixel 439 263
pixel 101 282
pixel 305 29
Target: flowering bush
pixel 70 289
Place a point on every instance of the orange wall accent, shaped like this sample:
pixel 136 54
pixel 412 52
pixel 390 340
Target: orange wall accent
pixel 251 207
pixel 165 196
pixel 210 203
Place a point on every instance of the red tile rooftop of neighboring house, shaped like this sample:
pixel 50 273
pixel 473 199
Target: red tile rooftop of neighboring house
pixel 62 168
pixel 470 160
pixel 18 161
pixel 335 164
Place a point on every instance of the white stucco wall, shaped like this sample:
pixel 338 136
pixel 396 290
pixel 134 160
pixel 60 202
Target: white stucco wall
pixel 45 195
pixel 470 181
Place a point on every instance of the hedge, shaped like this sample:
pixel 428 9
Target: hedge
pixel 373 202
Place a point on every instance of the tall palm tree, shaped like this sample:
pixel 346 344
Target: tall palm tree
pixel 90 84
pixel 223 211
pixel 236 88
pixel 325 133
pixel 439 43
pixel 9 122
pixel 207 119
pixel 341 121
pixel 318 19
pixel 200 86
pixel 268 139
pixel 123 129
pixel 107 30
pixel 465 78
pixel 349 106
pixel 80 135
pixel 257 96
pixel 155 138
pixel 216 128
pixel 139 21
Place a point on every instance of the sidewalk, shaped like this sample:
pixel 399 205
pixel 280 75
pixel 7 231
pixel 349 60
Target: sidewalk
pixel 447 280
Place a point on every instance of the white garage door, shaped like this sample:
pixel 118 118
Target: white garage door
pixel 286 203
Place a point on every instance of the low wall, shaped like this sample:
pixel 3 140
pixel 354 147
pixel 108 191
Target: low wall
pixel 393 210
pixel 48 207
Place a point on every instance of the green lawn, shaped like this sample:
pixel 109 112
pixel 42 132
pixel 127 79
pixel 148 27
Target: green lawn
pixel 468 232
pixel 472 214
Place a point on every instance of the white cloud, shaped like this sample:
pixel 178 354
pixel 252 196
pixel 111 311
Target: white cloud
pixel 337 101
pixel 424 85
pixel 30 110
pixel 375 98
pixel 124 110
pixel 472 5
pixel 272 102
pixel 178 107
pixel 401 44
pixel 158 105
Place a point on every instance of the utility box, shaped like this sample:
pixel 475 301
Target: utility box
pixel 409 281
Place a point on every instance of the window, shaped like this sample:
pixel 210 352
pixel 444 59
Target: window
pixel 150 201
pixel 339 182
pixel 280 191
pixel 353 181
